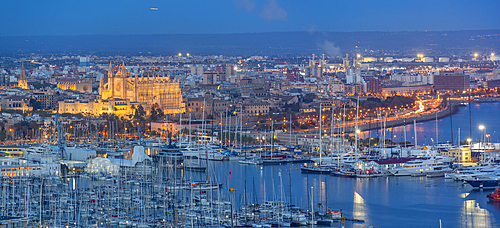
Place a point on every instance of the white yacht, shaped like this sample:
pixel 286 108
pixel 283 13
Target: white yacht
pixel 329 159
pixel 419 166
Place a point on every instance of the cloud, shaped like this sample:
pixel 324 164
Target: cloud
pixel 272 11
pixel 330 49
pixel 248 5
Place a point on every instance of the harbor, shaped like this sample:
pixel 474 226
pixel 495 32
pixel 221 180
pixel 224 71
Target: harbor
pixel 198 182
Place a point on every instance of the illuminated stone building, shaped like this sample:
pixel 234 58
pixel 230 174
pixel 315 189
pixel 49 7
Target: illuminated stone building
pixel 23 82
pixel 75 84
pixel 123 92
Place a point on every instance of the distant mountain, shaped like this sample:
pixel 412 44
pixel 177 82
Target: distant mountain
pixel 272 43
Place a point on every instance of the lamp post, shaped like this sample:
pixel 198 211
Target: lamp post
pixel 482 128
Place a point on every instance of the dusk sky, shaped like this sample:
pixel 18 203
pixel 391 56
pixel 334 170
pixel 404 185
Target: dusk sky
pixel 50 17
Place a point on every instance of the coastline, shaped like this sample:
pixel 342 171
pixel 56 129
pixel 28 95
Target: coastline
pixel 448 111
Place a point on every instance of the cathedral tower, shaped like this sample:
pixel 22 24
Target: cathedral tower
pixel 23 82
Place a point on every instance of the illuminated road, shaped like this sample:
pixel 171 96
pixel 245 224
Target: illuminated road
pixel 425 107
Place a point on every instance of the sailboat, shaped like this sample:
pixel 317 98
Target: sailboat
pixel 207 185
pixel 195 164
pixel 317 168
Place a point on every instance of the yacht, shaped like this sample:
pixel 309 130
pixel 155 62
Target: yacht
pixel 478 173
pixel 332 158
pixel 490 181
pixel 169 154
pixel 419 166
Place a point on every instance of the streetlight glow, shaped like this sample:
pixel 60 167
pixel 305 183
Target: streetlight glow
pixel 481 127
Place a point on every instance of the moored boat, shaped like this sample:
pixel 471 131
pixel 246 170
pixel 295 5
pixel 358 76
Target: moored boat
pixel 494 196
pixel 484 183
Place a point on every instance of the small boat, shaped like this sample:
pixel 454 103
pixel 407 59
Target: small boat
pixel 195 168
pixel 494 196
pixel 315 170
pixel 344 173
pixel 250 162
pixel 274 161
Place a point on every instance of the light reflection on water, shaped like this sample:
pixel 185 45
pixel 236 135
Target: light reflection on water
pixel 475 216
pixel 359 209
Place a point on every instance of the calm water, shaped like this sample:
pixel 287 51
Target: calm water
pixel 485 114
pixel 382 202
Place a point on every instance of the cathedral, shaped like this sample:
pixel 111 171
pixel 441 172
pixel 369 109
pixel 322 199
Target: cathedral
pixel 150 88
pixel 123 92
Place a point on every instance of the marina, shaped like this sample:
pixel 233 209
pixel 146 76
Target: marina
pixel 202 183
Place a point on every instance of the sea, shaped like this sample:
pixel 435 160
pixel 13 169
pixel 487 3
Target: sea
pixel 379 202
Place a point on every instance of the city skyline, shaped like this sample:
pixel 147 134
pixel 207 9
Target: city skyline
pixel 241 16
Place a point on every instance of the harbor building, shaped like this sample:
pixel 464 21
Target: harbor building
pixel 451 81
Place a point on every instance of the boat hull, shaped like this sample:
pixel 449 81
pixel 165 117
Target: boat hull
pixel 483 183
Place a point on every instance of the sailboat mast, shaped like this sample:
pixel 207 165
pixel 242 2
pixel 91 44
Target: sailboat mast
pixel 356 131
pixel 221 129
pixel 404 129
pixel 320 138
pixel 415 131
pixel 206 149
pixel 331 130
pixel 291 130
pixel 437 129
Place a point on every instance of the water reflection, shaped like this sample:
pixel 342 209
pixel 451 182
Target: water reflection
pixel 475 216
pixel 359 208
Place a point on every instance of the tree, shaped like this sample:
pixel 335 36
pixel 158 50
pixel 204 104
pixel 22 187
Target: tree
pixel 140 113
pixel 156 113
pixel 37 105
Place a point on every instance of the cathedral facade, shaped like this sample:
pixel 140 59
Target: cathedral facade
pixel 123 92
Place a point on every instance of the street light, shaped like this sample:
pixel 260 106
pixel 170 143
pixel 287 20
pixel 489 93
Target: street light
pixel 482 128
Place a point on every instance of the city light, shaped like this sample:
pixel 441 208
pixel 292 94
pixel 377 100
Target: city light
pixel 180 54
pixel 475 55
pixel 481 127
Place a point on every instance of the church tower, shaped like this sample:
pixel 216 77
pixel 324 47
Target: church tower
pixel 23 82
